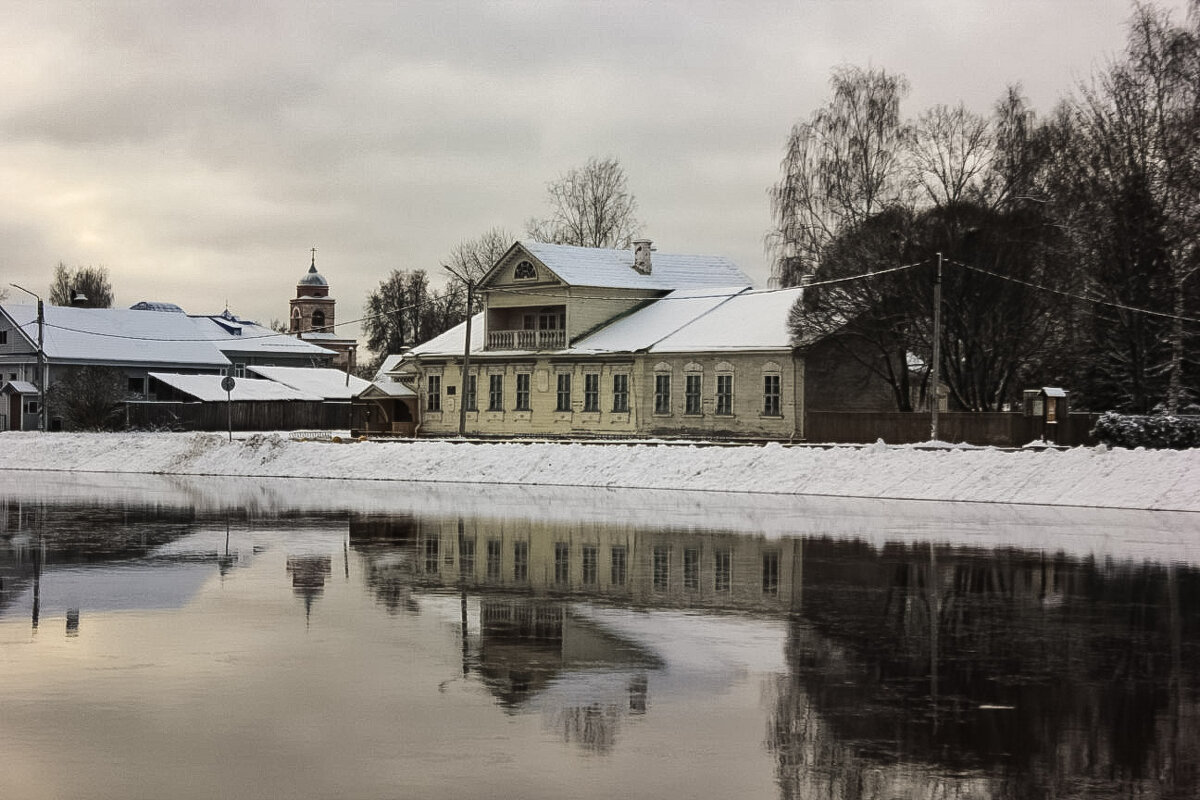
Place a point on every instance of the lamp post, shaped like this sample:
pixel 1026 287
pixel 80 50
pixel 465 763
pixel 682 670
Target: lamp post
pixel 41 357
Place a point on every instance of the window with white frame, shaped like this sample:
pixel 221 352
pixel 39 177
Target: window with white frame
pixel 591 563
pixel 521 561
pixel 722 570
pixel 770 572
pixel 771 406
pixel 591 391
pixel 562 563
pixel 470 394
pixel 522 391
pixel 724 395
pixel 691 393
pixel 620 394
pixel 691 568
pixel 662 393
pixel 618 562
pixel 495 392
pixel 433 393
pixel 660 568
pixel 564 392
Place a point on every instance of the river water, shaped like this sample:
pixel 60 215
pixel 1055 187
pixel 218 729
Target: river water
pixel 205 638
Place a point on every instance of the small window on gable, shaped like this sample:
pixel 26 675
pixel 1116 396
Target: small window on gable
pixel 524 271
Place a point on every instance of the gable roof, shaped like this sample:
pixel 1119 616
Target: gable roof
pixel 19 387
pixel 331 384
pixel 747 321
pixel 122 335
pixel 451 342
pixel 644 327
pixel 613 269
pixel 703 320
pixel 208 388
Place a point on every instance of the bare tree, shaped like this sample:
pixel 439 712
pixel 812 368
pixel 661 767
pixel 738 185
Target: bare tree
pixel 88 287
pixel 841 167
pixel 951 154
pixel 1129 179
pixel 590 207
pixel 89 398
pixel 474 257
pixel 395 311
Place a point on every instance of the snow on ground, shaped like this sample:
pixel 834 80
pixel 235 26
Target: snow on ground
pixel 1098 477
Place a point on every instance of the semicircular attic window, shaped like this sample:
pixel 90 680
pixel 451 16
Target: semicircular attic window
pixel 524 271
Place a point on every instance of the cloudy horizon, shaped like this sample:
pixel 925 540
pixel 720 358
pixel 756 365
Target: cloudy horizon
pixel 198 150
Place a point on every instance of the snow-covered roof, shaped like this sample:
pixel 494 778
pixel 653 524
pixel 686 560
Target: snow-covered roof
pixel 119 335
pixel 610 268
pixel 243 336
pixel 718 319
pixel 1053 391
pixel 748 321
pixel 451 342
pixel 389 389
pixel 122 335
pixel 331 384
pixel 655 322
pixel 389 363
pixel 208 388
pixel 20 387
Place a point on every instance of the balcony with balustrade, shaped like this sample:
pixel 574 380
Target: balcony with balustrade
pixel 539 328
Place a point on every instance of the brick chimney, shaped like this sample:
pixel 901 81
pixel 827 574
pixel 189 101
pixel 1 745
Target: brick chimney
pixel 641 255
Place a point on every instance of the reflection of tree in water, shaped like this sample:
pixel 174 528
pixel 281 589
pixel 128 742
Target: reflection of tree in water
pixel 593 727
pixel 1026 675
pixel 385 543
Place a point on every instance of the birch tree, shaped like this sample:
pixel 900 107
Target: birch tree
pixel 590 206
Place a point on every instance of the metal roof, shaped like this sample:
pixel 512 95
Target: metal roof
pixel 611 268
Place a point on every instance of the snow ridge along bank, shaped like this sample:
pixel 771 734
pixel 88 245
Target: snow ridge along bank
pixel 1098 477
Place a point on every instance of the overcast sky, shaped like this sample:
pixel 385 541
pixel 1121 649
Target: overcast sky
pixel 198 150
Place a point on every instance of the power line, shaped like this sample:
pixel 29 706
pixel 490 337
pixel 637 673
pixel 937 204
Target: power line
pixel 1072 295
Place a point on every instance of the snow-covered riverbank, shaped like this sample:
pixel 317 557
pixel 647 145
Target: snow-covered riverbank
pixel 1081 477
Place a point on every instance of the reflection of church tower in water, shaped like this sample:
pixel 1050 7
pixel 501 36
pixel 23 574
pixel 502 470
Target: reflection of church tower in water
pixel 312 317
pixel 308 577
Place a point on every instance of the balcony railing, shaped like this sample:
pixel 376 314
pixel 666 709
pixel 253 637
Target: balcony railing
pixel 526 340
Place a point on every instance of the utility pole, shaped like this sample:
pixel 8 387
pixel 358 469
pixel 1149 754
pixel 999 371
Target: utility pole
pixel 462 401
pixel 936 377
pixel 43 413
pixel 466 278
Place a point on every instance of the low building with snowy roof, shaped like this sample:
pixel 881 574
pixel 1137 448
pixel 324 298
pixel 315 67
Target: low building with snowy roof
pixel 150 337
pixel 577 341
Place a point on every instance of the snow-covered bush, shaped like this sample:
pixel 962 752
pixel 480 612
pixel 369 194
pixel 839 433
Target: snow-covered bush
pixel 1154 432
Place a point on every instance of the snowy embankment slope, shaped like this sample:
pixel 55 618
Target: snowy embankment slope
pixel 1082 476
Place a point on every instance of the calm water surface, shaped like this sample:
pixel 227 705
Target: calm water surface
pixel 167 638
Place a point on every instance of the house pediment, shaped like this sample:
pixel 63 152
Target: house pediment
pixel 518 269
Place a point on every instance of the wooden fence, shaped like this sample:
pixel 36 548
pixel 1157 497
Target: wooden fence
pixel 1000 429
pixel 281 415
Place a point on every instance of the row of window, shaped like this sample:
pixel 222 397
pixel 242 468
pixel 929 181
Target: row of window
pixel 591 393
pixel 771 406
pixel 618 565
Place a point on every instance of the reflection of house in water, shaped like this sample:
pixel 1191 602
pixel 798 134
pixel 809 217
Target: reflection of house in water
pixel 65 561
pixel 618 563
pixel 532 651
pixel 530 646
